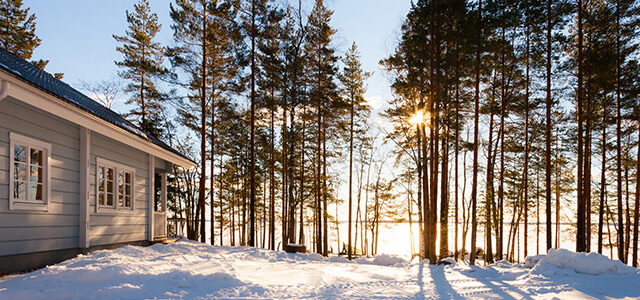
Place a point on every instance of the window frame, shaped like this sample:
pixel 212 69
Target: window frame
pixel 117 168
pixel 29 143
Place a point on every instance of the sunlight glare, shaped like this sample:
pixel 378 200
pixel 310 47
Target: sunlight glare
pixel 417 118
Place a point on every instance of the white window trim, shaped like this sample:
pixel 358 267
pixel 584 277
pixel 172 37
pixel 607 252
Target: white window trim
pixel 115 208
pixel 21 204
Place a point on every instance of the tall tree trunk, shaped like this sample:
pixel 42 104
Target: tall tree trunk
pixel 537 211
pixel 325 219
pixel 426 207
pixel 435 151
pixel 621 240
pixel 419 194
pixel 587 173
pixel 290 179
pixel 318 237
pixel 221 203
pixel 636 215
pixel 211 181
pixel 525 179
pixel 627 229
pixel 252 183
pixel 232 232
pixel 503 104
pixel 581 245
pixel 301 237
pixel 603 178
pixel 352 112
pixel 490 193
pixel 548 130
pixel 557 168
pixel 285 204
pixel 474 181
pixel 272 181
pixel 243 232
pixel 457 130
pixel 444 198
pixel 203 133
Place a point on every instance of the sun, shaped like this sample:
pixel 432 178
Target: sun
pixel 417 118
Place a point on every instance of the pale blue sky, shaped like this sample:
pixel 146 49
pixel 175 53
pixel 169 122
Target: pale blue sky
pixel 77 35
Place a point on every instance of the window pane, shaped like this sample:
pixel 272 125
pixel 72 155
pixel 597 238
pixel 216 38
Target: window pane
pixel 127 201
pixel 120 188
pixel 101 186
pixel 36 157
pixel 128 178
pixel 19 190
pixel 20 171
pixel 109 186
pixel 127 190
pixel 109 199
pixel 110 175
pixel 35 190
pixel 37 174
pixel 20 153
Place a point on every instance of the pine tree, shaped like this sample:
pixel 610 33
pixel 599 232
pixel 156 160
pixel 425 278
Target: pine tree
pixel 210 54
pixel 321 62
pixel 142 62
pixel 18 29
pixel 18 32
pixel 352 79
pixel 474 183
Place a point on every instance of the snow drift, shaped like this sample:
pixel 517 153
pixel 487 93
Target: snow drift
pixel 583 263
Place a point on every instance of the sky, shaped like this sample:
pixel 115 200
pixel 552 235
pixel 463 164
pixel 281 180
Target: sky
pixel 77 40
pixel 77 36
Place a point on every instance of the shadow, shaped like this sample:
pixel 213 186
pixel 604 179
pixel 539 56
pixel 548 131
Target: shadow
pixel 442 285
pixel 499 290
pixel 609 285
pixel 420 281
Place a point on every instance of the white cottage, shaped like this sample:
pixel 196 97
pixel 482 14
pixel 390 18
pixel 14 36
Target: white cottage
pixel 74 176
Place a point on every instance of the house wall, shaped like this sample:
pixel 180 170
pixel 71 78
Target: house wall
pixel 32 231
pixel 122 226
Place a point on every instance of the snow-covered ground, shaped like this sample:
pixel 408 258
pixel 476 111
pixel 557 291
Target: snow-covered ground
pixel 189 270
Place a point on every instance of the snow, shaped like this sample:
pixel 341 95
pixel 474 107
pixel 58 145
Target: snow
pixel 584 263
pixel 192 270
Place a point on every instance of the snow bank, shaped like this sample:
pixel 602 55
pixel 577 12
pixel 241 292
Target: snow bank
pixel 532 261
pixel 387 260
pixel 584 263
pixel 382 260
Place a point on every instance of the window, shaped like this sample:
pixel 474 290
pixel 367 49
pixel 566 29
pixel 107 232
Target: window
pixel 114 185
pixel 29 173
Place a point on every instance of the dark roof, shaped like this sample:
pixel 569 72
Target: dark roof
pixel 45 81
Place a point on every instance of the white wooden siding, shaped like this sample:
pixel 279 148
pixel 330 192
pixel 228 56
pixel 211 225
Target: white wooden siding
pixel 32 231
pixel 120 226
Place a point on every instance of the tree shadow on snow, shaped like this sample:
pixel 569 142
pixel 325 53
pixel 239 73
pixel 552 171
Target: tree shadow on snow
pixel 499 290
pixel 442 285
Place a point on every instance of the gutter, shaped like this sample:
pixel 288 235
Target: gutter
pixel 4 89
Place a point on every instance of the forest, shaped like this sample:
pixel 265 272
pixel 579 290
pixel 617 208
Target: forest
pixel 509 119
